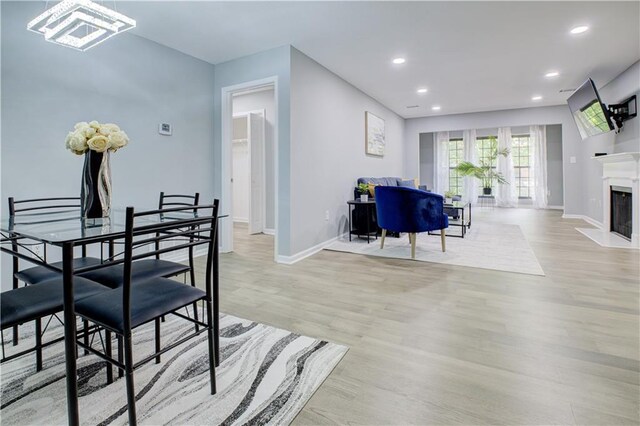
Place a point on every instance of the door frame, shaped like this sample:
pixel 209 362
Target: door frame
pixel 263 176
pixel 227 92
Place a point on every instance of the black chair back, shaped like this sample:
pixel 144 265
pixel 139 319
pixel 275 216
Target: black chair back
pixel 44 205
pixel 35 207
pixel 190 225
pixel 178 200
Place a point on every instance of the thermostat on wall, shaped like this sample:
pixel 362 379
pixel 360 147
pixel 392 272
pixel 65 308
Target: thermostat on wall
pixel 165 129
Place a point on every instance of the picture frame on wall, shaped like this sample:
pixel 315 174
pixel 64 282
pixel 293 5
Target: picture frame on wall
pixel 375 142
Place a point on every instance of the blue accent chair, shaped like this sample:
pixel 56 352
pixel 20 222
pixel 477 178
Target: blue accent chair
pixel 410 210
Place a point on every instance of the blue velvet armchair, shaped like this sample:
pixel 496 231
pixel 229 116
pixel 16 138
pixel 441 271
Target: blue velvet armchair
pixel 410 210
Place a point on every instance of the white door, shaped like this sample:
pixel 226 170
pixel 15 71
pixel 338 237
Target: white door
pixel 256 160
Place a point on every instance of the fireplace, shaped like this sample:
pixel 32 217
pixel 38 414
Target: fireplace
pixel 621 210
pixel 620 201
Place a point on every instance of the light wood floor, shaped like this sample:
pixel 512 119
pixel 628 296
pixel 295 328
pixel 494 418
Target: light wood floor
pixel 437 344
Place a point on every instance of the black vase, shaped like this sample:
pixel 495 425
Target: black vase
pixel 95 192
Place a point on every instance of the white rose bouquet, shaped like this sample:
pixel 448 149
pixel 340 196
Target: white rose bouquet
pixel 97 137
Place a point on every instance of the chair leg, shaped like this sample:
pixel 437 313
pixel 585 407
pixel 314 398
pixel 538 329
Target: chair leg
pixel 131 395
pixel 442 238
pixel 108 352
pixel 39 344
pixel 15 327
pixel 15 335
pixel 412 237
pixel 210 340
pixel 120 355
pixel 192 274
pixel 382 237
pixel 157 321
pixel 85 326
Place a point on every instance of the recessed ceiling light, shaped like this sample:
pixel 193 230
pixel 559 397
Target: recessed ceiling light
pixel 423 90
pixel 552 74
pixel 536 98
pixel 436 107
pixel 579 30
pixel 399 61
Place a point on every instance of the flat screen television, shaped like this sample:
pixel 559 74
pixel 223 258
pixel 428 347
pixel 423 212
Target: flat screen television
pixel 590 114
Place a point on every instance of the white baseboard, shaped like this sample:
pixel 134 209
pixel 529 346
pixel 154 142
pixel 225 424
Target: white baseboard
pixel 240 220
pixel 555 207
pixel 290 260
pixel 269 231
pixel 587 219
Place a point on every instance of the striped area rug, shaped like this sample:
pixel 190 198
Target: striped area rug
pixel 266 376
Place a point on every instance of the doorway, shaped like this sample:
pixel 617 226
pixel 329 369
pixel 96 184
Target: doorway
pixel 249 160
pixel 248 169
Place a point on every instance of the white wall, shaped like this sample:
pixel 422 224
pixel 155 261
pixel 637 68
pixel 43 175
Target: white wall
pixel 271 63
pixel 127 80
pixel 620 88
pixel 328 150
pixel 263 99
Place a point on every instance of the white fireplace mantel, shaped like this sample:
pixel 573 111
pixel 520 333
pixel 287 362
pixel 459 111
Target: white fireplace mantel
pixel 621 169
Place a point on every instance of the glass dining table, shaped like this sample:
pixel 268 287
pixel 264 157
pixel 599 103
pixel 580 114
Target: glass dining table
pixel 68 230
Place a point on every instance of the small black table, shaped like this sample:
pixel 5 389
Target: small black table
pixel 464 223
pixel 368 205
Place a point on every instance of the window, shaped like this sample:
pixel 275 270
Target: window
pixel 521 164
pixel 485 149
pixel 456 155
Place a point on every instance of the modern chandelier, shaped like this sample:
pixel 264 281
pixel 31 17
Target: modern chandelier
pixel 80 24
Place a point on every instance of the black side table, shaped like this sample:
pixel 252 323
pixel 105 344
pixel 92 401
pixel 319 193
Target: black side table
pixel 370 207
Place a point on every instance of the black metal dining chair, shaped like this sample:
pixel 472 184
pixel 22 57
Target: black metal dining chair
pixel 129 306
pixel 34 302
pixel 34 208
pixel 150 268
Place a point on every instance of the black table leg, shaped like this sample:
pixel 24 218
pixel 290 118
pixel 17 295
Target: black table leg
pixel 349 219
pixel 368 220
pixel 463 225
pixel 216 297
pixel 469 215
pixel 70 334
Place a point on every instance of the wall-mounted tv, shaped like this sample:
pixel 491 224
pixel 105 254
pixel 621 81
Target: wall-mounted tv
pixel 590 114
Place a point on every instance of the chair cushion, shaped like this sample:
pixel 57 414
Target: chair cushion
pixel 149 299
pixel 112 276
pixel 38 274
pixel 36 301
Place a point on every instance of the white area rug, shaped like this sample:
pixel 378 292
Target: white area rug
pixel 486 245
pixel 266 376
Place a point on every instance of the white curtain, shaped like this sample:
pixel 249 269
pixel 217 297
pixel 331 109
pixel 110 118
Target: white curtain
pixel 506 194
pixel 442 164
pixel 538 164
pixel 470 184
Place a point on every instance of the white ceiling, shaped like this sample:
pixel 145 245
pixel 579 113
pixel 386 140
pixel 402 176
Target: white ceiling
pixel 472 56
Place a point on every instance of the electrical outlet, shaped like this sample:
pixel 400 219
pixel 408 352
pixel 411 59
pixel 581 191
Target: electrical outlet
pixel 572 160
pixel 326 215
